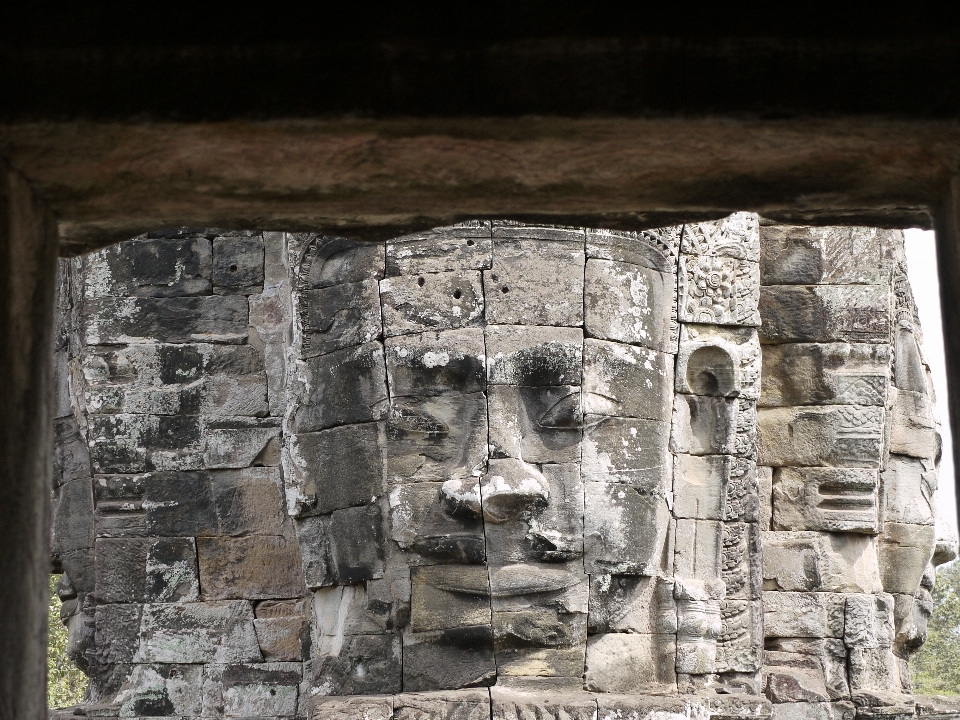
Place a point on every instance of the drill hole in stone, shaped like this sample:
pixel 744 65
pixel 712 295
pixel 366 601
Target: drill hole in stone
pixel 233 268
pixel 469 243
pixel 421 281
pixel 504 289
pixel 457 294
pixel 710 371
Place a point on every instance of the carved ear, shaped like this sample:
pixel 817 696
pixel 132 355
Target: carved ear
pixel 711 370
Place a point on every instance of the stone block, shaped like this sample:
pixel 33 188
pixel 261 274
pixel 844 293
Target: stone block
pixel 742 500
pixel 557 530
pixel 533 356
pixel 515 704
pixel 112 321
pixel 913 427
pixel 71 457
pixel 253 567
pixel 735 236
pixel 538 424
pixel 704 425
pixel 72 517
pixel 625 532
pixel 830 435
pixel 248 501
pixel 171 571
pixel 874 669
pixel 207 632
pixel 117 633
pixel 699 625
pixel 344 610
pixel 540 642
pixel 626 380
pixel 465 246
pixel 826 657
pixel 629 304
pixel 321 261
pixel 655 248
pixel 179 504
pixel 158 267
pixel 313 536
pixel 436 438
pixel 158 690
pixel 262 690
pixel 448 596
pixel 535 281
pixel 803 614
pixel 822 562
pixel 630 451
pixel 240 442
pixel 868 620
pixel 813 711
pixel 700 486
pixel 121 569
pixel 432 301
pixel 742 566
pixel 269 324
pixel 909 485
pixel 138 443
pixel 826 499
pixel 282 638
pixel 339 388
pixel 717 360
pixel 740 645
pixel 531 586
pixel 449 705
pixel 337 468
pixel 638 707
pixel 339 316
pixel 905 551
pixel 699 550
pixel 363 665
pixel 164 379
pixel 794 255
pixel 630 663
pixel 237 265
pixel 631 604
pixel 80 567
pixel 825 313
pixel 435 363
pixel 825 374
pixel 449 659
pixel 357 707
pixel 421 523
pixel 356 543
pixel 717 290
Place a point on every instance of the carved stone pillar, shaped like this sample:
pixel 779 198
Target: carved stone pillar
pixel 28 262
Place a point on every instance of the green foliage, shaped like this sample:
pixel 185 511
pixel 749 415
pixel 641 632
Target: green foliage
pixel 66 685
pixel 936 668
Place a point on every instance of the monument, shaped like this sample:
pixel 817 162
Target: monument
pixel 497 470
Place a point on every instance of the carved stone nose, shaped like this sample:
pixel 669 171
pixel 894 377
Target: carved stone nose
pixel 511 490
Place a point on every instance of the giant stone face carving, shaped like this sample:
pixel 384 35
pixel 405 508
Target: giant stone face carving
pixel 496 470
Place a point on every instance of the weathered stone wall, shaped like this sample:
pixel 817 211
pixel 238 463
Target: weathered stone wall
pixel 303 476
pixel 848 447
pixel 185 591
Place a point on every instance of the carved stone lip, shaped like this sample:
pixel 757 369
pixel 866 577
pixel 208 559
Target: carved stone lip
pixel 527 580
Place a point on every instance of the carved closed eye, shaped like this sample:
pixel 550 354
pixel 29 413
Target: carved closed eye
pixel 565 414
pixel 404 421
